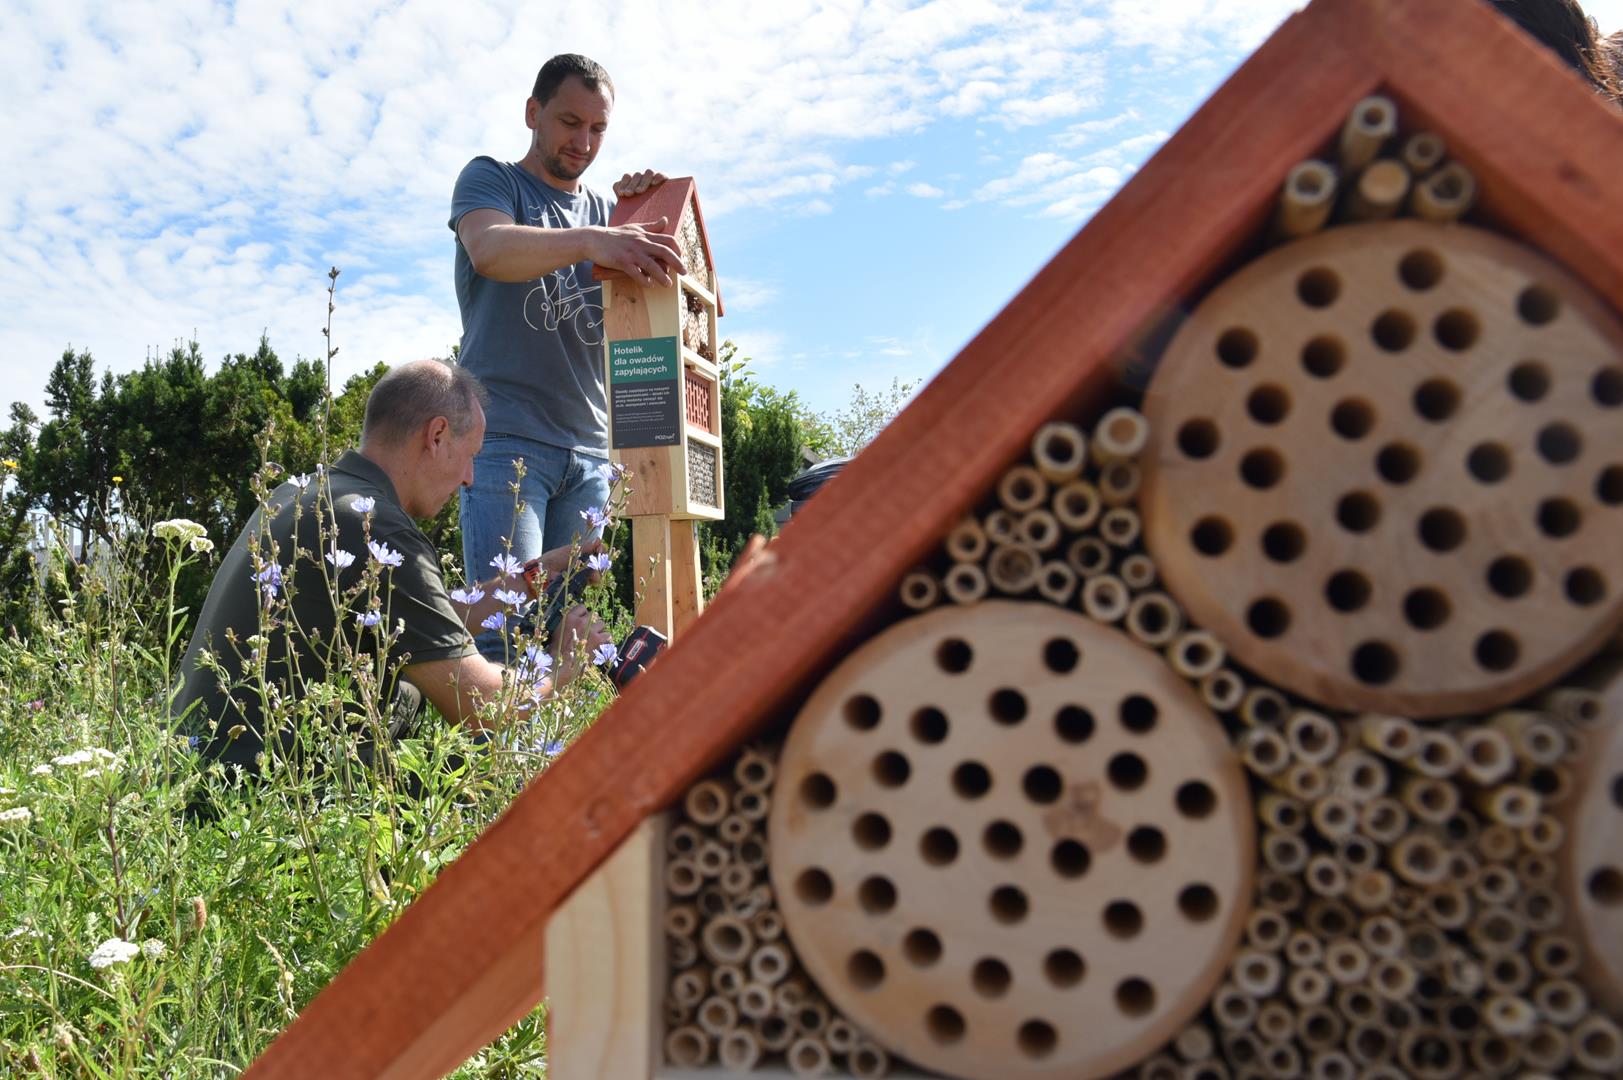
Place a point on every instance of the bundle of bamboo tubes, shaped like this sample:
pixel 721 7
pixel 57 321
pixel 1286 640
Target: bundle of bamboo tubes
pixel 737 994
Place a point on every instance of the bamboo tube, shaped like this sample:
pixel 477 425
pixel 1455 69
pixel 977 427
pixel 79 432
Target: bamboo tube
pixel 920 590
pixel 1319 1027
pixel 1282 812
pixel 1278 892
pixel 1371 122
pixel 1535 868
pixel 1119 483
pixel 1222 690
pixel 1497 930
pixel 1575 705
pixel 1358 853
pixel 1001 527
pixel 1276 1021
pixel 1379 192
pixel 1306 200
pixel 1234 1009
pixel 967 541
pixel 681 920
pixel 1089 557
pixel 1346 961
pixel 787 997
pixel 1509 804
pixel 755 1001
pixel 1159 1067
pixel 1039 530
pixel 1265 751
pixel 1543 835
pixel 1358 775
pixel 1330 919
pixel 757 899
pixel 1332 1064
pixel 1256 973
pixel 1437 755
pixel 711 902
pixel 1463 975
pixel 1021 488
pixel 841 1036
pixel 1423 946
pixel 751 852
pixel 1264 705
pixel 1105 598
pixel 1552 783
pixel 1382 936
pixel 707 802
pixel 769 964
pixel 767 925
pixel 682 952
pixel 1509 1016
pixel 1427 1055
pixel 1422 152
pixel 727 979
pixel 868 1061
pixel 1487 755
pixel 687 1046
pixel 1561 1001
pixel 1382 1072
pixel 1207 1069
pixel 1012 568
pixel 965 583
pixel 1282 1059
pixel 1325 876
pixel 1121 526
pixel 1532 735
pixel 1138 571
pixel 1335 817
pixel 1359 1004
pixel 811 1017
pixel 1241 1048
pixel 1496 885
pixel 739 1050
pixel 1267 930
pixel 682 877
pixel 727 939
pixel 1370 1043
pixel 1077 505
pixel 1308 986
pixel 1284 853
pixel 1303 949
pixel 809 1057
pixel 734 828
pixel 688 988
pixel 754 770
pixel 1548 1049
pixel 682 840
pixel 676 1015
pixel 1498 843
pixel 1392 737
pixel 1056 582
pixel 1430 800
pixel 1541 908
pixel 775 1033
pixel 1060 451
pixel 1121 433
pixel 711 858
pixel 1445 195
pixel 1371 890
pixel 1448 908
pixel 1405 902
pixel 1154 618
pixel 1195 654
pixel 1195 1042
pixel 1312 736
pixel 1307 782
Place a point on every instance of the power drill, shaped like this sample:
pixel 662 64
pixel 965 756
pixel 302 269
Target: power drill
pixel 632 655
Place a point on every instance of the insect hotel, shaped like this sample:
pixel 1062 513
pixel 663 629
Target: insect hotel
pixel 1211 674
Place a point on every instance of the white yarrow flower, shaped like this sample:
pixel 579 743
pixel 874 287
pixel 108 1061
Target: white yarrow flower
pixel 153 949
pixel 17 817
pixel 41 769
pixel 182 529
pixel 113 951
pixel 201 544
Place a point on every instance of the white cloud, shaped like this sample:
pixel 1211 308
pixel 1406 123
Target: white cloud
pixel 924 191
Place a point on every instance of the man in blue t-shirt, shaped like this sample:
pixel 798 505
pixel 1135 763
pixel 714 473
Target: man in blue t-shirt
pixel 528 233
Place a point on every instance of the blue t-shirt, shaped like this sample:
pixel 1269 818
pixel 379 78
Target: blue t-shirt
pixel 536 345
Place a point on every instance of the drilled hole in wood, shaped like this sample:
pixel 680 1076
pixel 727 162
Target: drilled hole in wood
pixel 1199 439
pixel 1426 608
pixel 877 895
pixel 1559 518
pixel 1457 329
pixel 1262 468
pixel 1195 799
pixel 1421 269
pixel 1070 859
pixel 1268 618
pixel 1529 381
pixel 1198 902
pixel 1510 576
pixel 990 977
pixel 1398 463
pixel 891 769
pixel 1436 399
pixel 1127 771
pixel 1042 784
pixel 1007 706
pixel 1347 590
pixel 939 846
pixel 1003 840
pixel 1135 997
pixel 1605 886
pixel 818 791
pixel 1393 330
pixel 814 886
pixel 1323 357
pixel 921 947
pixel 870 831
pixel 1352 418
pixel 1138 714
pixel 1375 663
pixel 865 970
pixel 1318 287
pixel 1073 724
pixel 1060 655
pixel 945 1024
pixel 1358 512
pixel 1213 536
pixel 1559 443
pixel 862 712
pixel 1147 844
pixel 1284 541
pixel 1442 529
pixel 1009 904
pixel 1609 485
pixel 929 725
pixel 954 656
pixel 1585 586
pixel 1488 462
pixel 1268 404
pixel 971 780
pixel 1498 650
pixel 1237 347
pixel 1617 791
pixel 1538 305
pixel 1607 387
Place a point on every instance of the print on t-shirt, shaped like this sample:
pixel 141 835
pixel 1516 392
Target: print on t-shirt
pixel 558 298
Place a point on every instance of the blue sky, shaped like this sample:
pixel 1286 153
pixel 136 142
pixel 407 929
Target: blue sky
pixel 878 177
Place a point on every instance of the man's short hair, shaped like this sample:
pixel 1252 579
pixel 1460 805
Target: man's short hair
pixel 409 396
pixel 560 67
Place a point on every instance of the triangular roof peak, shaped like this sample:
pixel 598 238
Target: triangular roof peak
pixel 464 962
pixel 673 200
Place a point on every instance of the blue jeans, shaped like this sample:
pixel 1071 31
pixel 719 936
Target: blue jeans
pixel 558 485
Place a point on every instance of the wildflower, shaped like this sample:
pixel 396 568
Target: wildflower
pixel 535 664
pixel 200 544
pixel 301 482
pixel 599 562
pixel 153 949
pixel 41 770
pixel 511 597
pixel 113 951
pixel 117 479
pixel 270 581
pixel 17 817
pixel 364 504
pixel 384 554
pixel 11 463
pixel 340 558
pixel 194 742
pixel 595 519
pixel 200 913
pixel 36 705
pixel 182 529
pixel 554 748
pixel 612 471
pixel 470 596
pixel 84 757
pixel 605 653
pixel 506 564
pixel 495 621
pixel 367 618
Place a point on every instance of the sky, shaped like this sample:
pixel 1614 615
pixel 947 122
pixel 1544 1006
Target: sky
pixel 878 177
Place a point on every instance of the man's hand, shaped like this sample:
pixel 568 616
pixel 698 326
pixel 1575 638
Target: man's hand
pixel 579 635
pixel 636 183
pixel 550 565
pixel 647 255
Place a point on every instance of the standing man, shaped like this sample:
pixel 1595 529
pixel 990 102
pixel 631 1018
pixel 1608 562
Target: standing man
pixel 528 233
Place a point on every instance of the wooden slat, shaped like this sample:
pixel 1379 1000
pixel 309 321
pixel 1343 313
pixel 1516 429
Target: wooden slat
pixel 462 963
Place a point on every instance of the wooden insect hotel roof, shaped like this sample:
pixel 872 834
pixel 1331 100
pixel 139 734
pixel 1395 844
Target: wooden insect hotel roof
pixel 464 962
pixel 677 202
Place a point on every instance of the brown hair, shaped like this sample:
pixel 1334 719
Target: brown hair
pixel 560 67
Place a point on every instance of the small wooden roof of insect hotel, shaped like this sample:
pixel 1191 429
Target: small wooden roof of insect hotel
pixel 464 962
pixel 676 201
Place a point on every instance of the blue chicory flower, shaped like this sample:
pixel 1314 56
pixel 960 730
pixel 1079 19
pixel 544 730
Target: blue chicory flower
pixel 364 504
pixel 511 597
pixel 368 618
pixel 554 748
pixel 605 654
pixel 599 562
pixel 506 564
pixel 495 621
pixel 301 482
pixel 270 580
pixel 384 554
pixel 340 558
pixel 470 596
pixel 594 518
